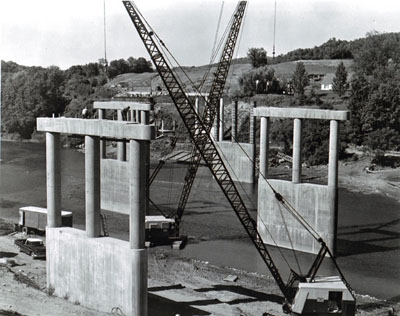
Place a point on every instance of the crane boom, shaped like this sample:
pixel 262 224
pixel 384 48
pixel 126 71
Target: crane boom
pixel 204 144
pixel 211 107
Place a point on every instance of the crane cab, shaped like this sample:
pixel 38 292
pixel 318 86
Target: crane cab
pixel 324 296
pixel 161 230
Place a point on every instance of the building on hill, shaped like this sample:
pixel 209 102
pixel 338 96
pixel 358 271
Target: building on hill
pixel 327 82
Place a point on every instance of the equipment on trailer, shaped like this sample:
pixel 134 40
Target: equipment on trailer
pixel 304 294
pixel 34 219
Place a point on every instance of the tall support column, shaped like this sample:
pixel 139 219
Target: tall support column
pixel 296 165
pixel 53 175
pixel 215 129
pixel 264 146
pixel 333 177
pixel 103 152
pixel 92 185
pixel 121 146
pixel 145 119
pixel 221 120
pixel 333 154
pixel 252 140
pixel 137 196
pixel 137 184
pixel 253 126
pixel 197 109
pixel 234 120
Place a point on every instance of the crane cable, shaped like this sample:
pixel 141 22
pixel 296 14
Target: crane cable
pixel 166 50
pixel 216 33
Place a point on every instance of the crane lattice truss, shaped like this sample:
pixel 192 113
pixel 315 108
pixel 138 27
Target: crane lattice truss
pixel 199 133
pixel 211 107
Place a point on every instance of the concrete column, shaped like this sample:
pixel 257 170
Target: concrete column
pixel 137 194
pixel 196 108
pixel 221 120
pixel 253 126
pixel 252 140
pixel 215 128
pixel 92 185
pixel 103 152
pixel 53 174
pixel 234 120
pixel 264 146
pixel 121 146
pixel 137 115
pixel 137 197
pixel 333 178
pixel 296 164
pixel 145 119
pixel 333 154
pixel 133 116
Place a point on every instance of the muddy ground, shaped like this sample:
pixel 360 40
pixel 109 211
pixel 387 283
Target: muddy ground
pixel 176 286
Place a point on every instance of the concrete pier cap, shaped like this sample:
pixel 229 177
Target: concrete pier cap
pixel 317 203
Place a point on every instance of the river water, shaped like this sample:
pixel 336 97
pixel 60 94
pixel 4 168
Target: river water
pixel 368 228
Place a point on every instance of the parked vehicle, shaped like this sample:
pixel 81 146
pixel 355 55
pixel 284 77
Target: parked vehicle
pixel 34 247
pixel 33 219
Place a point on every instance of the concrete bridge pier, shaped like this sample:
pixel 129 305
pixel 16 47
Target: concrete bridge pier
pixel 333 174
pixel 234 120
pixel 92 185
pixel 145 156
pixel 103 148
pixel 252 139
pixel 296 164
pixel 53 177
pixel 264 146
pixel 121 146
pixel 221 120
pixel 138 209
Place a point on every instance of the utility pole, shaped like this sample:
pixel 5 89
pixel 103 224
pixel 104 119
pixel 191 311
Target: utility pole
pixel 0 111
pixel 105 62
pixel 273 48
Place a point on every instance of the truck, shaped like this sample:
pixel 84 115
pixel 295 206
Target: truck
pixel 33 219
pixel 33 247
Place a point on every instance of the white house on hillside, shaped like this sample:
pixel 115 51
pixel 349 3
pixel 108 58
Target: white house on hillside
pixel 327 82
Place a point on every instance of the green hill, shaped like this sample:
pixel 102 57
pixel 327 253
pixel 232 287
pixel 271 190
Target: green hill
pixel 145 82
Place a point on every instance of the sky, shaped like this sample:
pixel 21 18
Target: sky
pixel 66 33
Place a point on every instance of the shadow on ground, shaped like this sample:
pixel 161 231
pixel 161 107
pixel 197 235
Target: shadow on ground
pixel 160 306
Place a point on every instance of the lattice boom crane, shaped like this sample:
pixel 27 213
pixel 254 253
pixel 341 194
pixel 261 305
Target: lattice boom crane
pixel 305 295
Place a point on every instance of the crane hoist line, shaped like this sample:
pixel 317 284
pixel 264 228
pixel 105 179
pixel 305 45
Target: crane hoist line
pixel 304 294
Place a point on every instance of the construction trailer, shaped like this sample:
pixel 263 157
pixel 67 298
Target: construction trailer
pixel 33 219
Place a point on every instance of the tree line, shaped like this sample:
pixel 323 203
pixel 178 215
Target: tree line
pixel 372 95
pixel 31 92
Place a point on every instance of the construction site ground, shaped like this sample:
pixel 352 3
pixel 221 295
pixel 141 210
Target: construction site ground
pixel 176 286
pixel 185 282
